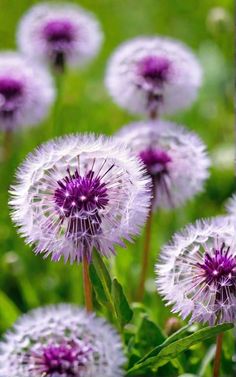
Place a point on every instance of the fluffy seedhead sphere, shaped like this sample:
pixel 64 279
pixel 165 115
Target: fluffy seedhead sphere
pixel 61 341
pixel 152 75
pixel 26 92
pixel 169 152
pixel 77 193
pixel 196 272
pixel 59 34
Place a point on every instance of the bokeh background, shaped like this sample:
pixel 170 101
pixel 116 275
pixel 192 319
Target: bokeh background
pixel 27 281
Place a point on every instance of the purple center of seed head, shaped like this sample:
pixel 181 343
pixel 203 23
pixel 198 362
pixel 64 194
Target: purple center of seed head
pixel 59 33
pixel 80 195
pixel 64 360
pixel 156 161
pixel 220 268
pixel 11 91
pixel 154 69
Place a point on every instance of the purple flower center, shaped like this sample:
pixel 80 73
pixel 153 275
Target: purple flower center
pixel 80 199
pixel 64 360
pixel 154 69
pixel 219 269
pixel 11 91
pixel 156 161
pixel 80 195
pixel 59 33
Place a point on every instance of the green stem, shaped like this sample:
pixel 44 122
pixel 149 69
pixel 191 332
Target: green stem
pixel 56 124
pixel 87 286
pixel 217 361
pixel 7 145
pixel 146 255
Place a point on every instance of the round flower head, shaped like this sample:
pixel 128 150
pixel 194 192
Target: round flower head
pixel 61 341
pixel 26 92
pixel 59 34
pixel 169 152
pixel 78 193
pixel 150 75
pixel 196 273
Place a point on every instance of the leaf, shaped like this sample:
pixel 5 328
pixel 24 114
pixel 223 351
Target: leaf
pixel 9 311
pixel 149 335
pixel 98 287
pixel 207 360
pixel 121 305
pixel 166 352
pixel 101 281
pixel 102 270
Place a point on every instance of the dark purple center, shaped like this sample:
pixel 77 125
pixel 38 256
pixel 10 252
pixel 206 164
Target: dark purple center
pixel 156 161
pixel 79 199
pixel 64 360
pixel 11 91
pixel 59 33
pixel 220 268
pixel 77 194
pixel 154 70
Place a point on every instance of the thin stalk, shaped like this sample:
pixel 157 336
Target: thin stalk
pixel 146 254
pixel 217 361
pixel 7 145
pixel 56 124
pixel 87 286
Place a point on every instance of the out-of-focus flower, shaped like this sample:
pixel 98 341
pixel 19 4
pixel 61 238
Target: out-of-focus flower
pixel 150 75
pixel 219 20
pixel 78 193
pixel 59 34
pixel 169 152
pixel 26 92
pixel 196 272
pixel 61 341
pixel 231 206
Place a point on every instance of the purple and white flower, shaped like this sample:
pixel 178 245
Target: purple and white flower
pixel 196 272
pixel 153 75
pixel 59 34
pixel 77 193
pixel 61 341
pixel 26 92
pixel 169 153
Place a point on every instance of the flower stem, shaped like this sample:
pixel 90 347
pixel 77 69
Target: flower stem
pixel 87 286
pixel 146 254
pixel 56 131
pixel 217 362
pixel 7 145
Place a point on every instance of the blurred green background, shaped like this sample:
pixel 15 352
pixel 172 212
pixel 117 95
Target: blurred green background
pixel 27 281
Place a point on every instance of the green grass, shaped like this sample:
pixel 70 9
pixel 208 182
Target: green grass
pixel 28 281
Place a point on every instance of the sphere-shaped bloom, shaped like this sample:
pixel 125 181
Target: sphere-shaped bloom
pixel 59 34
pixel 78 193
pixel 26 92
pixel 150 75
pixel 169 153
pixel 196 272
pixel 61 341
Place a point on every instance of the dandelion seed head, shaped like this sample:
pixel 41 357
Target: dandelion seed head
pixel 169 153
pixel 61 341
pixel 78 193
pixel 59 34
pixel 196 272
pixel 26 92
pixel 153 75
